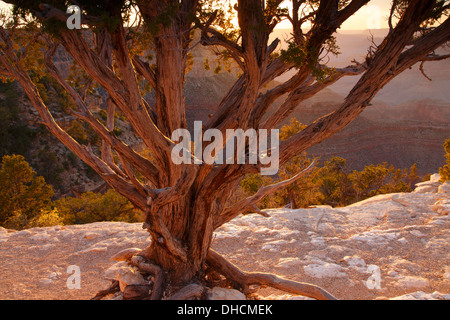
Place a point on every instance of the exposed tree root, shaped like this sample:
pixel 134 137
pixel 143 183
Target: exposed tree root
pixel 190 292
pixel 103 293
pixel 245 279
pixel 196 291
pixel 147 267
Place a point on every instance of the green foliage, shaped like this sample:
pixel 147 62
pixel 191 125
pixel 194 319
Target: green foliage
pixel 93 207
pixel 333 183
pixel 226 17
pixel 27 45
pixel 439 10
pixel 294 54
pixel 301 193
pixel 47 218
pixel 25 201
pixel 118 131
pixel 444 172
pixel 304 55
pixel 77 131
pixel 23 195
pixel 83 133
pixel 273 11
pixel 290 129
pixel 379 179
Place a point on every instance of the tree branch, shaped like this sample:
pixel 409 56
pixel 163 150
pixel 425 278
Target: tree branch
pixel 241 206
pixel 327 11
pixel 144 166
pixel 133 108
pixel 388 61
pixel 259 211
pixel 218 39
pixel 10 62
pixel 144 69
pixel 265 100
pixel 431 57
pixel 307 90
pixel 350 10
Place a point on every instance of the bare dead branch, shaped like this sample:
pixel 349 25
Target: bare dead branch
pixel 423 71
pixel 435 57
pixel 259 211
pixel 243 205
pixel 431 57
pixel 245 279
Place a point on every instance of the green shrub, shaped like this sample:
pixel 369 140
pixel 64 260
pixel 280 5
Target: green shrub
pixel 23 194
pixel 333 183
pixel 93 207
pixel 46 218
pixel 77 131
pixel 444 172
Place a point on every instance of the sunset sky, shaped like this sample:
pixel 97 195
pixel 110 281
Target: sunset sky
pixel 372 16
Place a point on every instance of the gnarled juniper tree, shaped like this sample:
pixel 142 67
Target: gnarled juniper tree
pixel 185 203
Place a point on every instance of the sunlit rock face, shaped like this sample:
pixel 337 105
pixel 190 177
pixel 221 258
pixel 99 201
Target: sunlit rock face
pixel 392 246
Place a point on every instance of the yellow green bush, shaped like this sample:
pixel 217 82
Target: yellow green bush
pixel 23 194
pixel 92 207
pixel 444 172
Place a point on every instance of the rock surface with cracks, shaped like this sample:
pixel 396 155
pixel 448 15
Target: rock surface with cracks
pixel 391 246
